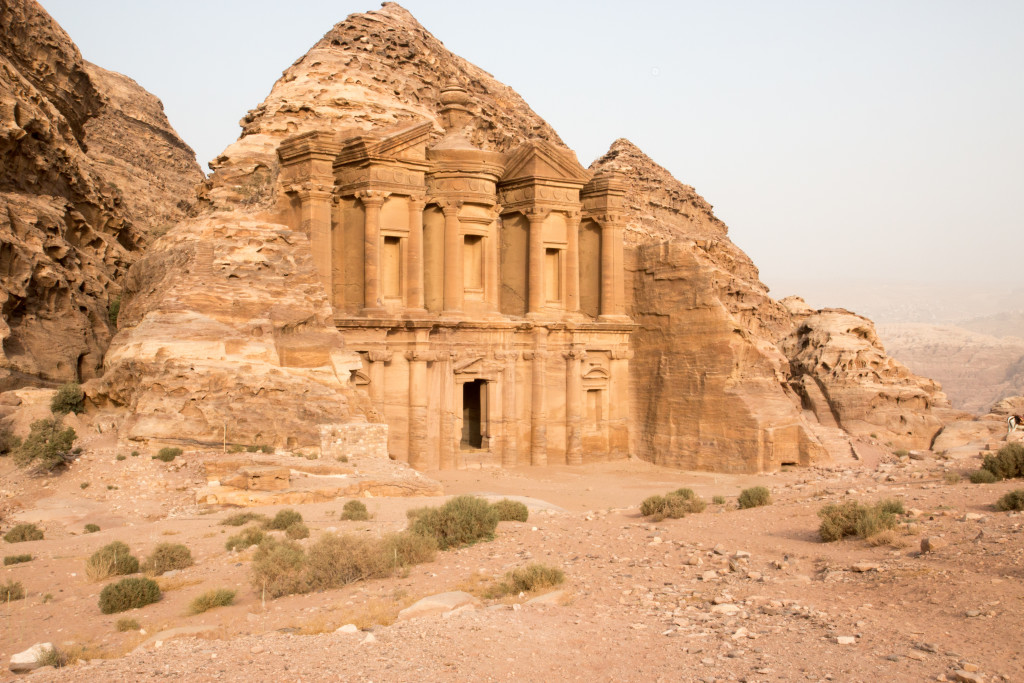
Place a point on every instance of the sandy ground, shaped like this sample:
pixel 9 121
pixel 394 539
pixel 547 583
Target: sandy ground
pixel 724 595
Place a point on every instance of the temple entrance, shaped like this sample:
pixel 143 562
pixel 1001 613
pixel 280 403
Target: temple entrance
pixel 472 414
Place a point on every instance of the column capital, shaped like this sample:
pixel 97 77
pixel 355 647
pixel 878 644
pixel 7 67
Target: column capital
pixel 536 214
pixel 372 197
pixel 424 356
pixel 417 202
pixel 574 354
pixel 379 356
pixel 450 207
pixel 506 355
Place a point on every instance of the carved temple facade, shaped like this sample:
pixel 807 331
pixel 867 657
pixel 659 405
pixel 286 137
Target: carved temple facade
pixel 484 291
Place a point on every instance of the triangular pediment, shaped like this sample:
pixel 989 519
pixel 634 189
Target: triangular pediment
pixel 542 160
pixel 407 143
pixel 469 366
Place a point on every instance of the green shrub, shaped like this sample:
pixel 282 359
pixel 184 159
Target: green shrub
pixel 113 559
pixel 1008 463
pixel 249 536
pixel 167 454
pixel 525 579
pixel 69 399
pixel 951 478
pixel 460 521
pixel 901 452
pixel 284 519
pixel 983 477
pixel 135 454
pixel 511 511
pixel 850 518
pixel 406 549
pixel 84 485
pixel 240 518
pixel 297 531
pixel 127 624
pixel 48 446
pixel 718 500
pixel 1014 500
pixel 220 597
pixel 128 594
pixel 92 528
pixel 167 556
pixel 113 309
pixel 121 456
pixel 259 448
pixel 754 497
pixel 9 442
pixel 355 510
pixel 24 532
pixel 12 590
pixel 17 559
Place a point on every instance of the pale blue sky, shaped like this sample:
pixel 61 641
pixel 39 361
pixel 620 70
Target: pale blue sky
pixel 840 141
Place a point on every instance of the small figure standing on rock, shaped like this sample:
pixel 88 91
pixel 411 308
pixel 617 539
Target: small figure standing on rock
pixel 1013 422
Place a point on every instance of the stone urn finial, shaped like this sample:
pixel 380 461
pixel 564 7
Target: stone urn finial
pixel 455 114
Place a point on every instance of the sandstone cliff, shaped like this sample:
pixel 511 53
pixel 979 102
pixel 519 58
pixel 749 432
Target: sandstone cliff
pixel 91 164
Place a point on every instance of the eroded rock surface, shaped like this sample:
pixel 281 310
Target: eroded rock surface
pixel 91 165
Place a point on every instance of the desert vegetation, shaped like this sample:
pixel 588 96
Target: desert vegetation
pixel 69 399
pixel 1014 500
pixel 24 532
pixel 850 518
pixel 461 521
pixel 11 590
pixel 1007 463
pixel 220 597
pixel 167 454
pixel 113 559
pixel 127 594
pixel 17 559
pixel 48 447
pixel 511 510
pixel 532 577
pixel 166 557
pixel 754 497
pixel 355 510
pixel 674 505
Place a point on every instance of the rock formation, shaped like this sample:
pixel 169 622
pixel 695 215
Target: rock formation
pixel 91 166
pixel 722 376
pixel 975 369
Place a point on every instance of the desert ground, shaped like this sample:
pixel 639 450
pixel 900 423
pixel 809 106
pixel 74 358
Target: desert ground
pixel 722 595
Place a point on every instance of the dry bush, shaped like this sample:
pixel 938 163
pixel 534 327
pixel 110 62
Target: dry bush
pixel 511 510
pixel 220 597
pixel 983 477
pixel 167 556
pixel 127 624
pixel 24 532
pixel 12 590
pixel 283 519
pixel 525 579
pixel 283 568
pixel 674 504
pixel 113 559
pixel 9 441
pixel 850 518
pixel 56 657
pixel 884 537
pixel 1008 463
pixel 951 477
pixel 718 500
pixel 297 531
pixel 355 510
pixel 754 497
pixel 461 521
pixel 167 454
pixel 240 518
pixel 1014 500
pixel 128 594
pixel 248 537
pixel 16 559
pixel 92 528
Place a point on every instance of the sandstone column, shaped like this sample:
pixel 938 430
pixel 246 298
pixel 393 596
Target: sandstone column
pixel 453 267
pixel 377 360
pixel 316 223
pixel 492 286
pixel 414 298
pixel 619 270
pixel 538 404
pixel 417 358
pixel 535 298
pixel 607 268
pixel 446 445
pixel 572 266
pixel 372 201
pixel 509 417
pixel 573 406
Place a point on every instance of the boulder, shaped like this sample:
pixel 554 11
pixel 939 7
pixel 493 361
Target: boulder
pixel 28 660
pixel 441 603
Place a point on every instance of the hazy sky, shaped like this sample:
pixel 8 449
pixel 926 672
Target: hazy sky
pixel 875 141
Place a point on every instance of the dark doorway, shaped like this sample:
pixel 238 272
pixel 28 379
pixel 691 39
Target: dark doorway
pixel 472 413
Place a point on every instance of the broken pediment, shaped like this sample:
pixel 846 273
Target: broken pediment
pixel 406 144
pixel 541 160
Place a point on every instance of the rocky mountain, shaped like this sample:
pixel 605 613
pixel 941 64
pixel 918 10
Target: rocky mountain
pixel 723 376
pixel 91 168
pixel 975 369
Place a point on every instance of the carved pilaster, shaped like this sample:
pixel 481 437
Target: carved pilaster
pixel 372 201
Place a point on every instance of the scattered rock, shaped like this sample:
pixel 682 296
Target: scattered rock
pixel 933 543
pixel 846 640
pixel 28 660
pixel 439 604
pixel 865 567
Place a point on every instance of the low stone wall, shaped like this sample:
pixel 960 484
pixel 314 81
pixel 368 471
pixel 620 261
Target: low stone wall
pixel 354 439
